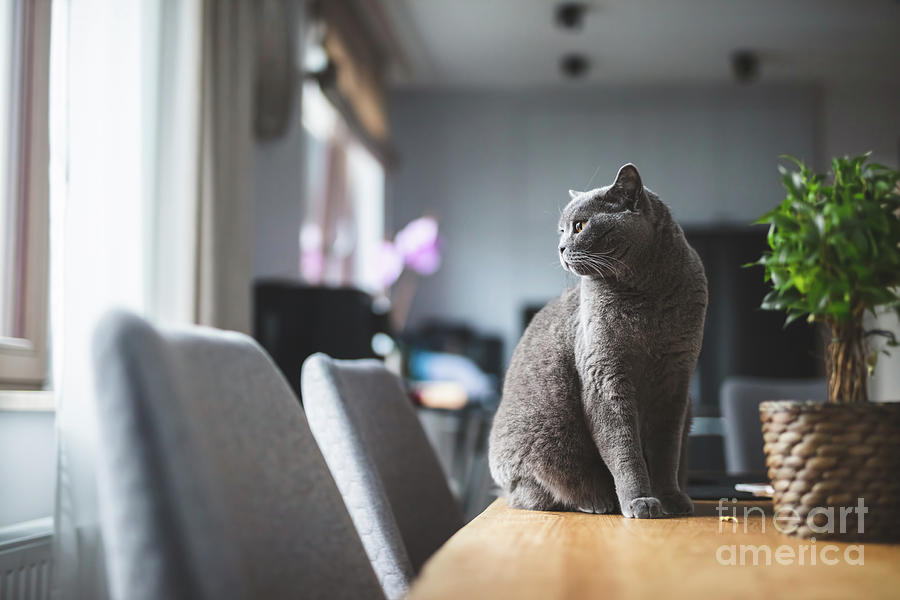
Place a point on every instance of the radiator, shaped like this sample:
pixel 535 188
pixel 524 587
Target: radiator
pixel 26 562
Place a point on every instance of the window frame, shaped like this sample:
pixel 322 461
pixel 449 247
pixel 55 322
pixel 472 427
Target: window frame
pixel 23 360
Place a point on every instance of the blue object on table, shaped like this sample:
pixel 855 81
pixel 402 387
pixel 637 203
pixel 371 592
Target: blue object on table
pixel 425 365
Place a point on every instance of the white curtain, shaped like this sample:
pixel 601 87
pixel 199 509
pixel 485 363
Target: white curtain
pixel 224 259
pixel 150 145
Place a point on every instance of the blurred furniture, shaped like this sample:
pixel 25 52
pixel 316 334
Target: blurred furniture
pixel 713 485
pixel 212 484
pixel 740 339
pixel 293 321
pixel 508 553
pixel 739 403
pixel 460 438
pixel 706 450
pixel 706 462
pixel 705 453
pixel 387 472
pixel 486 351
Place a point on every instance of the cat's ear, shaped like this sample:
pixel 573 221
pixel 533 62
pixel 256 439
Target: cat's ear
pixel 573 193
pixel 628 182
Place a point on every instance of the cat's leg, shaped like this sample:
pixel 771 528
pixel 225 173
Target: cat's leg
pixel 528 494
pixel 597 495
pixel 562 472
pixel 582 483
pixel 665 446
pixel 612 417
pixel 566 474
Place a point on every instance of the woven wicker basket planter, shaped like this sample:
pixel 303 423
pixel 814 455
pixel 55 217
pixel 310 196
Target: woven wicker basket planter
pixel 824 457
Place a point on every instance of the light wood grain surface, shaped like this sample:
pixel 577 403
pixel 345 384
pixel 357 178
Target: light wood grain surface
pixel 508 553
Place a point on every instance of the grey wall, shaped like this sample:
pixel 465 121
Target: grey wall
pixel 278 185
pixel 860 118
pixel 278 178
pixel 495 169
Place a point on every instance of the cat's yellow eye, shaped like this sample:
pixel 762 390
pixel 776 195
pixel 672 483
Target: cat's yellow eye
pixel 579 225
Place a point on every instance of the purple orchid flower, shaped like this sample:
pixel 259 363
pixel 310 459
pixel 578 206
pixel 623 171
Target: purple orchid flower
pixel 419 245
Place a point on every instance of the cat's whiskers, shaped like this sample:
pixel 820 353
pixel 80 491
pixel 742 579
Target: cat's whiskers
pixel 610 258
pixel 610 262
pixel 597 262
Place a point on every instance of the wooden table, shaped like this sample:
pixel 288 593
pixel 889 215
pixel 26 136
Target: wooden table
pixel 509 553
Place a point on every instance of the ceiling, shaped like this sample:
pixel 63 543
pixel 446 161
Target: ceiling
pixel 501 44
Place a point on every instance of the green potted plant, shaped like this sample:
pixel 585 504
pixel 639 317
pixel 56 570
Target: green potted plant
pixel 833 257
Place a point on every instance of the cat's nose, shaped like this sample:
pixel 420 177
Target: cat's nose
pixel 562 249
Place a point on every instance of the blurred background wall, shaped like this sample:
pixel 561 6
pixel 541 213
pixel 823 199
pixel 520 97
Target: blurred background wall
pixel 489 131
pixel 495 168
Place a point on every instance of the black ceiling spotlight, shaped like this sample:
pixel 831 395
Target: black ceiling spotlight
pixel 574 66
pixel 570 15
pixel 745 64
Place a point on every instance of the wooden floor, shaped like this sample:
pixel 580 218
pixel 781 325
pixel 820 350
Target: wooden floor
pixel 508 553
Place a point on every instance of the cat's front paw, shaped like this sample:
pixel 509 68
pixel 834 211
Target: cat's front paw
pixel 676 503
pixel 642 508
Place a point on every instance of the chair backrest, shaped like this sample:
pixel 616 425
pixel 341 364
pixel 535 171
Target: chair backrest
pixel 739 402
pixel 211 483
pixel 382 462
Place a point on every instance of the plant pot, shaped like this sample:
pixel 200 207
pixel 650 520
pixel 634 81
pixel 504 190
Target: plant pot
pixel 823 459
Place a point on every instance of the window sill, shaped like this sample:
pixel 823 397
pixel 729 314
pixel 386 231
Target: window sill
pixel 24 533
pixel 28 401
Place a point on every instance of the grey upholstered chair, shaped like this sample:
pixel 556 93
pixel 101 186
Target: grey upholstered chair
pixel 383 464
pixel 211 484
pixel 739 401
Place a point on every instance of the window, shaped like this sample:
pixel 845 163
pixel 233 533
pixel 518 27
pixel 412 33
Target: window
pixel 343 227
pixel 24 69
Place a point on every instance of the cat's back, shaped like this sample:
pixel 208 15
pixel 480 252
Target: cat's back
pixel 540 405
pixel 544 357
pixel 550 332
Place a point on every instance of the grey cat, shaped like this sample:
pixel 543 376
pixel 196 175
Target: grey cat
pixel 595 407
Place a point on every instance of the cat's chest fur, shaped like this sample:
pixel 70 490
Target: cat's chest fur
pixel 633 333
pixel 624 324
